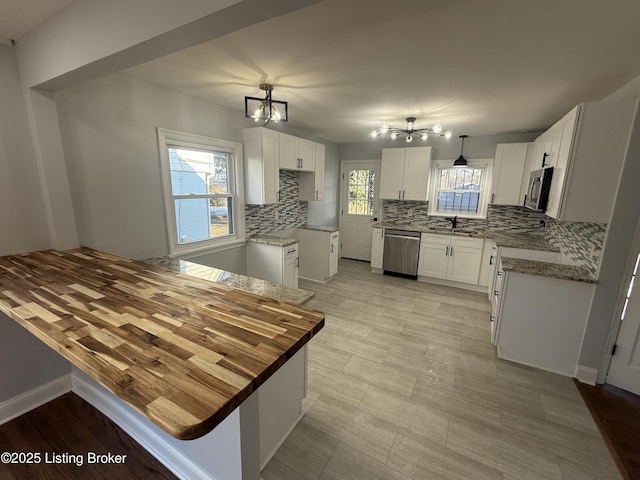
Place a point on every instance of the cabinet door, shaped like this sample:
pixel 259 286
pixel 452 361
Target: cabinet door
pixel 319 172
pixel 288 151
pixel 508 172
pixel 261 173
pixel 377 247
pixel 307 155
pixel 464 264
pixel 543 150
pixel 333 255
pixel 391 173
pixel 433 260
pixel 415 178
pixel 290 272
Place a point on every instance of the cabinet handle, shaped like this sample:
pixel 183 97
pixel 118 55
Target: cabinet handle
pixel 399 192
pixel 446 252
pixel 451 251
pixel 491 260
pixel 496 293
pixel 403 194
pixel 499 273
pixel 544 159
pixel 291 251
pixel 492 195
pixel 316 194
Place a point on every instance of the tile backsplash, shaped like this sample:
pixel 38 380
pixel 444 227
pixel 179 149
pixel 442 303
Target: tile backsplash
pixel 581 241
pixel 289 213
pixel 499 217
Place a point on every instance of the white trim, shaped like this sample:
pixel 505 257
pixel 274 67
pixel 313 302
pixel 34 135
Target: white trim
pixel 114 409
pixel 166 136
pixel 27 401
pixel 586 375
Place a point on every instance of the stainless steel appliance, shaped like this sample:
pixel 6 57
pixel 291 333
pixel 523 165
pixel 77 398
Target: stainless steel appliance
pixel 401 250
pixel 538 191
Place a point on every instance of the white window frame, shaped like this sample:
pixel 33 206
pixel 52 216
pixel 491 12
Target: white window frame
pixel 168 138
pixel 483 201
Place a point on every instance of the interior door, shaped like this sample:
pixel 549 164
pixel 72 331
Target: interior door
pixel 624 371
pixel 360 207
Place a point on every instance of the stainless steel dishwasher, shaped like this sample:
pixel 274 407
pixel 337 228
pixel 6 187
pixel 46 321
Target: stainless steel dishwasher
pixel 401 250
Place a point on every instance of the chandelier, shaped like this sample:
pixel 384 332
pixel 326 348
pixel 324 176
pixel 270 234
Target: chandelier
pixel 266 109
pixel 410 131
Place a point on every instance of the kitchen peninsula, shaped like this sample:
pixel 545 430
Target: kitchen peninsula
pixel 186 354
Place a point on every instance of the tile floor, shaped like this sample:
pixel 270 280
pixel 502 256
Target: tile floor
pixel 404 384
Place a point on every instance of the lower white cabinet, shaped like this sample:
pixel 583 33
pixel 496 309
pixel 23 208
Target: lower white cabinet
pixel 450 257
pixel 319 252
pixel 377 248
pixel 274 263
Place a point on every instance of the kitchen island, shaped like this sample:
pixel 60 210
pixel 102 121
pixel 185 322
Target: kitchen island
pixel 186 355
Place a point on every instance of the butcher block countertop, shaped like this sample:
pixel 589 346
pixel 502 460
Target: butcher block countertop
pixel 183 351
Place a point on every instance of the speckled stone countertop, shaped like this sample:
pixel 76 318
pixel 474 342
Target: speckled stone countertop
pixel 241 282
pixel 272 240
pixel 321 228
pixel 544 269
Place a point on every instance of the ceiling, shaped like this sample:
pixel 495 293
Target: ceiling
pixel 347 66
pixel 19 17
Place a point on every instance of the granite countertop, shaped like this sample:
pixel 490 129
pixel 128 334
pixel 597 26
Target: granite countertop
pixel 545 269
pixel 182 351
pixel 234 280
pixel 321 228
pixel 272 240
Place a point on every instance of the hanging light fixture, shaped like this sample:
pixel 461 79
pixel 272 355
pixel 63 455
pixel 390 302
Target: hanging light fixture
pixel 410 131
pixel 461 161
pixel 266 109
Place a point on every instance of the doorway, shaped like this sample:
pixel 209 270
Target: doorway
pixel 624 370
pixel 359 207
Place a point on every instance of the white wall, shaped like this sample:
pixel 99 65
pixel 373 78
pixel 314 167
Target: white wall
pixel 110 142
pixel 22 220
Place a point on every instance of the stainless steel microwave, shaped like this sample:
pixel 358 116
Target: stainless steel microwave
pixel 539 187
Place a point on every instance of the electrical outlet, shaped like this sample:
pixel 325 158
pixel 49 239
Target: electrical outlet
pixel 276 215
pixel 393 209
pixel 410 212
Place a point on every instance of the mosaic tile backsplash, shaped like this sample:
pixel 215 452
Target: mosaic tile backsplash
pixel 582 242
pixel 289 213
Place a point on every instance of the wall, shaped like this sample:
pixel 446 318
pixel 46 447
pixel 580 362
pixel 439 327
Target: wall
pixel 110 141
pixel 24 225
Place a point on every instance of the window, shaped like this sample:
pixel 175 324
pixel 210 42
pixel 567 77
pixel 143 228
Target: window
pixel 459 191
pixel 202 189
pixel 361 192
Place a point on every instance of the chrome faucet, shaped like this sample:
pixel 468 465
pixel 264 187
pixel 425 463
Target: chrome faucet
pixel 453 220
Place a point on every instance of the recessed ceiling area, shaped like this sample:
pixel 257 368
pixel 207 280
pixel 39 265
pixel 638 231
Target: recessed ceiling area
pixel 479 68
pixel 19 17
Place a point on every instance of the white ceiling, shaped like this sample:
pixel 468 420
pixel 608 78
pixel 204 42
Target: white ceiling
pixel 346 66
pixel 19 17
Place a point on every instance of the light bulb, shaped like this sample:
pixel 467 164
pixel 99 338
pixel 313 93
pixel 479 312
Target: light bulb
pixel 447 135
pixel 394 135
pixel 437 128
pixel 373 134
pixel 409 125
pixel 409 139
pixel 424 137
pixel 384 129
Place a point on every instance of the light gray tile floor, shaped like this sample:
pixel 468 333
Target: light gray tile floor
pixel 404 384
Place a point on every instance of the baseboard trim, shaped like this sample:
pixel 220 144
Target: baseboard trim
pixel 27 401
pixel 113 408
pixel 586 375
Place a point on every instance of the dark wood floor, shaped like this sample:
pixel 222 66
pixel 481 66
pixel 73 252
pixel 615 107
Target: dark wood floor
pixel 617 414
pixel 69 425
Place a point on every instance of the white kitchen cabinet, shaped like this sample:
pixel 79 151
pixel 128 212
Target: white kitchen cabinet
pixel 404 173
pixel 487 264
pixel 261 174
pixel 508 186
pixel 590 155
pixel 541 321
pixel 275 263
pixel 296 153
pixel 311 184
pixel 319 252
pixel 377 249
pixel 450 257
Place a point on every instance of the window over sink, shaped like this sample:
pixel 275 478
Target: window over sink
pixel 460 191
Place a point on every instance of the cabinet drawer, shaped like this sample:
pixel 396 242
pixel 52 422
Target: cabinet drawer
pixel 290 252
pixel 467 242
pixel 434 238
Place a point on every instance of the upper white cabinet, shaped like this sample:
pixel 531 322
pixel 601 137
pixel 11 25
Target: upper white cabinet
pixel 296 153
pixel 591 149
pixel 404 173
pixel 508 185
pixel 261 174
pixel 311 184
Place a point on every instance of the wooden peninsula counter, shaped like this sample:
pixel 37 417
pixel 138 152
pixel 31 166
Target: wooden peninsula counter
pixel 182 351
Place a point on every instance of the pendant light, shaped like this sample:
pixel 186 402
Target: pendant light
pixel 461 162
